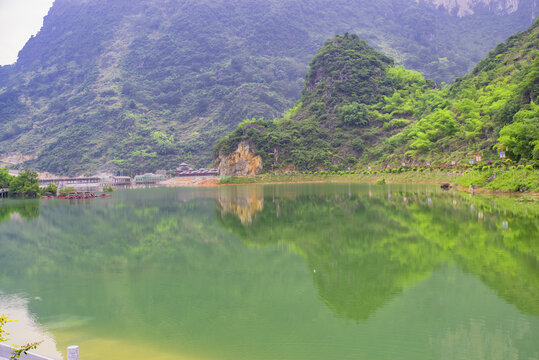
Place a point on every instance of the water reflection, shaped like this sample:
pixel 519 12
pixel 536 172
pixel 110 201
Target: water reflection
pixel 168 272
pixel 19 210
pixel 244 202
pixel 366 250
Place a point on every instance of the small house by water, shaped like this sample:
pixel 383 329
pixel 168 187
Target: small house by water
pixel 149 178
pixel 120 180
pixel 186 170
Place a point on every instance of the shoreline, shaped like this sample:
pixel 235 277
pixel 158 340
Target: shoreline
pixel 436 179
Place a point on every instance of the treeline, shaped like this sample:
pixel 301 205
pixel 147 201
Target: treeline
pixel 26 184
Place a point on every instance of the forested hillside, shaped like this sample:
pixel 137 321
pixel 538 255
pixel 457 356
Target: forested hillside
pixel 139 85
pixel 358 108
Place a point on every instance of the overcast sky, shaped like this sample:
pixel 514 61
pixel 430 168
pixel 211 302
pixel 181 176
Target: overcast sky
pixel 19 19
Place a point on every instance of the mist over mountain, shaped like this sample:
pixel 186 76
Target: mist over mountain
pixel 138 85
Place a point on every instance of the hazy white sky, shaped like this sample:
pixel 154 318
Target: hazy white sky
pixel 19 19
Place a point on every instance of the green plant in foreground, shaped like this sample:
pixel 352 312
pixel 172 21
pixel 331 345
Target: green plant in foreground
pixel 23 349
pixel 19 349
pixel 3 320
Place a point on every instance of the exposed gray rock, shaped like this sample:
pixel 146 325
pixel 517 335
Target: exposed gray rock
pixel 445 186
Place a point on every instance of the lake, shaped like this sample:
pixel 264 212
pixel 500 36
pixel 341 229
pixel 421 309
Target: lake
pixel 260 272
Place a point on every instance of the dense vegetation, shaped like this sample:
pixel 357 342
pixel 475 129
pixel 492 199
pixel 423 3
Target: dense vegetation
pixel 504 178
pixel 26 184
pixel 5 178
pixel 358 109
pixel 139 85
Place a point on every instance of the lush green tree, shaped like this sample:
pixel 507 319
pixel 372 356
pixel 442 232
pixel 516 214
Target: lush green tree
pixel 521 138
pixel 51 189
pixel 164 142
pixel 5 178
pixel 354 114
pixel 25 185
pixel 67 191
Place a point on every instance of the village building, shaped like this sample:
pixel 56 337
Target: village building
pixel 149 178
pixel 120 180
pixel 183 168
pixel 186 170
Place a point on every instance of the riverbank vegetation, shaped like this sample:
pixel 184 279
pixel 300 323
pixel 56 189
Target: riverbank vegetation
pixel 67 191
pixel 345 176
pixel 5 178
pixel 25 185
pixel 509 179
pixel 108 189
pixel 515 178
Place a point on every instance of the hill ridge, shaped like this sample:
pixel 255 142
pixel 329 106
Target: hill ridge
pixel 403 118
pixel 139 86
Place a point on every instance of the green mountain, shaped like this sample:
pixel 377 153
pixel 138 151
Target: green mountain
pixel 359 108
pixel 139 85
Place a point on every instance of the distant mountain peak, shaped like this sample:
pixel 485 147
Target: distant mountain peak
pixel 468 7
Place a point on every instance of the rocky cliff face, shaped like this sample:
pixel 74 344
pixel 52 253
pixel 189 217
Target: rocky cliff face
pixel 467 7
pixel 242 162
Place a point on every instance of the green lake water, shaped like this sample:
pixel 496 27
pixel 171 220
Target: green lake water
pixel 296 271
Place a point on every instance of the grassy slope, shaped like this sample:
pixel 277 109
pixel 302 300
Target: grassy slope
pixel 510 179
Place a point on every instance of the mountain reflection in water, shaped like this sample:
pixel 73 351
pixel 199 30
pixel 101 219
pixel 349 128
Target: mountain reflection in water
pixel 228 272
pixel 365 249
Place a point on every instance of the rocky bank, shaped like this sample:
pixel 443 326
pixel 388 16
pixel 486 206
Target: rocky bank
pixel 242 162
